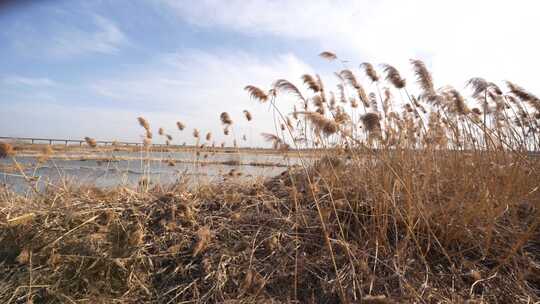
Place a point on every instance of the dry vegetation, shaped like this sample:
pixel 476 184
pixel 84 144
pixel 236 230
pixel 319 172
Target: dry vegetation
pixel 430 197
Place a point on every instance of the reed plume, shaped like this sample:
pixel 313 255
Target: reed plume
pixel 248 116
pixel 225 119
pixel 524 95
pixel 226 130
pixel 195 133
pixel 144 123
pixel 340 116
pixel 408 108
pixel 169 137
pixel 318 103
pixel 180 126
pixel 371 122
pixel 362 96
pixel 312 83
pixel 393 76
pixel 91 142
pixel 256 93
pixel 161 131
pixel 423 77
pixel 321 123
pixel 328 55
pixel 6 150
pixel 348 76
pixel 354 104
pixel 387 101
pixel 373 102
pixel 320 84
pixel 289 123
pixel 208 136
pixel 370 71
pixel 274 139
pixel 332 102
pixel 480 87
pixel 285 86
pixel 341 91
pixel 456 101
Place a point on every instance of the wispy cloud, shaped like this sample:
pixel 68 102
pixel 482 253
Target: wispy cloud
pixel 62 39
pixel 14 80
pixel 106 38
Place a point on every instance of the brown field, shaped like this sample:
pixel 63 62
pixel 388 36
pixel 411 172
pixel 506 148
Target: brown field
pixel 415 198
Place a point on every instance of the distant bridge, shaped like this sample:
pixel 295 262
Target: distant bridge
pixel 80 142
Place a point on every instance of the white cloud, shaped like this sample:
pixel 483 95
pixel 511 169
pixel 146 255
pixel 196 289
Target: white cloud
pixel 458 39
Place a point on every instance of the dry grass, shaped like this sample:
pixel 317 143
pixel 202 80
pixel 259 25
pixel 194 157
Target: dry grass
pixel 419 200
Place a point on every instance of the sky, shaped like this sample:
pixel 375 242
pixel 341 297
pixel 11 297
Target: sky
pixel 73 68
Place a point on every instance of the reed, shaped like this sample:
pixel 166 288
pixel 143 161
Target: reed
pixel 247 114
pixel 180 126
pixel 225 119
pixel 6 150
pixel 90 142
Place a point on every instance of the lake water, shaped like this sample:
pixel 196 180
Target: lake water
pixel 128 168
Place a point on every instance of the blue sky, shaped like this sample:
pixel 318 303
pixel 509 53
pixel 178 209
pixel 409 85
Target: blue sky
pixel 89 68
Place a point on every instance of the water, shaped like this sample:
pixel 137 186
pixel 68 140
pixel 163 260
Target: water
pixel 128 168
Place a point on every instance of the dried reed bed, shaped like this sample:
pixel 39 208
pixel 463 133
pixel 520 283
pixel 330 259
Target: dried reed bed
pixel 431 198
pixel 264 241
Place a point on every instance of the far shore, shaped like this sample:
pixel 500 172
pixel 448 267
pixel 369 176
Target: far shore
pixel 29 149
